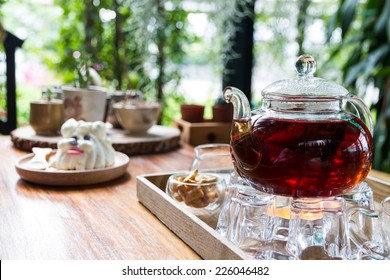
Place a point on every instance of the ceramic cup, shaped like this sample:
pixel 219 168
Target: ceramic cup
pixel 46 117
pixel 84 104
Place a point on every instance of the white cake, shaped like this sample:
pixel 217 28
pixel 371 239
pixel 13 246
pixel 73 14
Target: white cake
pixel 84 146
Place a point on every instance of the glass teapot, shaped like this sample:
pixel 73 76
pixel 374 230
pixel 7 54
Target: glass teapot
pixel 302 142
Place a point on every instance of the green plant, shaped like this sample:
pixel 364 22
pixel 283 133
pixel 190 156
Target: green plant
pixel 137 45
pixel 83 68
pixel 365 37
pixel 171 108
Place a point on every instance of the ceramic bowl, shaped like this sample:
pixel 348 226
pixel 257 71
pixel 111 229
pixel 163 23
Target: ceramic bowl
pixel 137 117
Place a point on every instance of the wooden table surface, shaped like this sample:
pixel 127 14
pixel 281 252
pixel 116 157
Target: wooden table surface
pixel 103 221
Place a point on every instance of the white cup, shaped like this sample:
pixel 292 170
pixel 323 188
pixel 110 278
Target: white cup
pixel 84 104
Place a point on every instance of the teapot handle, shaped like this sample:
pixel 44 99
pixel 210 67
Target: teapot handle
pixel 362 111
pixel 371 248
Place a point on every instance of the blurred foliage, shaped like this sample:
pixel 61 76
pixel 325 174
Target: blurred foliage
pixel 286 29
pixel 140 45
pixel 133 44
pixel 36 23
pixel 365 43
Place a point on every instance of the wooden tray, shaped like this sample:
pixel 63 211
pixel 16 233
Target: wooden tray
pixel 158 139
pixel 197 233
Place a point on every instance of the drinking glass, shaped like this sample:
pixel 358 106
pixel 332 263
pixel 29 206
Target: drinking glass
pixel 372 234
pixel 318 229
pixel 232 189
pixel 281 212
pixel 247 219
pixel 214 158
pixel 362 196
pixel 276 249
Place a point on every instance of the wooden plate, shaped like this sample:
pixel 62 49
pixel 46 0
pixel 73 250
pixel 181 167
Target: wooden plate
pixel 72 177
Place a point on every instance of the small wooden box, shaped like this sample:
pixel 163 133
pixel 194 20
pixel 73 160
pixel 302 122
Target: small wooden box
pixel 204 132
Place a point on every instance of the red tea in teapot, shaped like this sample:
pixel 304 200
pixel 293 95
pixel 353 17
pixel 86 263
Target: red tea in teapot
pixel 302 158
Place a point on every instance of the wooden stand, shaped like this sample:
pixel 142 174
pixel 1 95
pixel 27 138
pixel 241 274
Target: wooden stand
pixel 204 132
pixel 158 139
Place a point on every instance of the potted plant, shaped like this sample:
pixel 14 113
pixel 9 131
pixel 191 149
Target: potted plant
pixel 46 114
pixel 222 111
pixel 192 112
pixel 85 100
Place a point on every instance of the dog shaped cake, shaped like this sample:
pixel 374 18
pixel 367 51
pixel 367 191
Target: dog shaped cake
pixel 84 146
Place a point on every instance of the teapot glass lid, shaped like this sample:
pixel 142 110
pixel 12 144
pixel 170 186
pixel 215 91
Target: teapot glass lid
pixel 305 84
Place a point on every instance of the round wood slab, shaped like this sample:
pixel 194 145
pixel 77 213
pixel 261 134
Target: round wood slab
pixel 158 139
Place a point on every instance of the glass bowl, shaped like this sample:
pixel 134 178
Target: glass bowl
pixel 201 193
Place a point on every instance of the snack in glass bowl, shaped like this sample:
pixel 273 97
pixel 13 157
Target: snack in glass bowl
pixel 201 193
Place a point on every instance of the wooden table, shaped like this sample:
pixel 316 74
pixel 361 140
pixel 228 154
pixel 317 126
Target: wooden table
pixel 103 221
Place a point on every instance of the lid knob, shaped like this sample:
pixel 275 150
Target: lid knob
pixel 305 66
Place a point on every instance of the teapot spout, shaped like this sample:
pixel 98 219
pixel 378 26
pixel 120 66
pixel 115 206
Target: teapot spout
pixel 242 109
pixel 244 147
